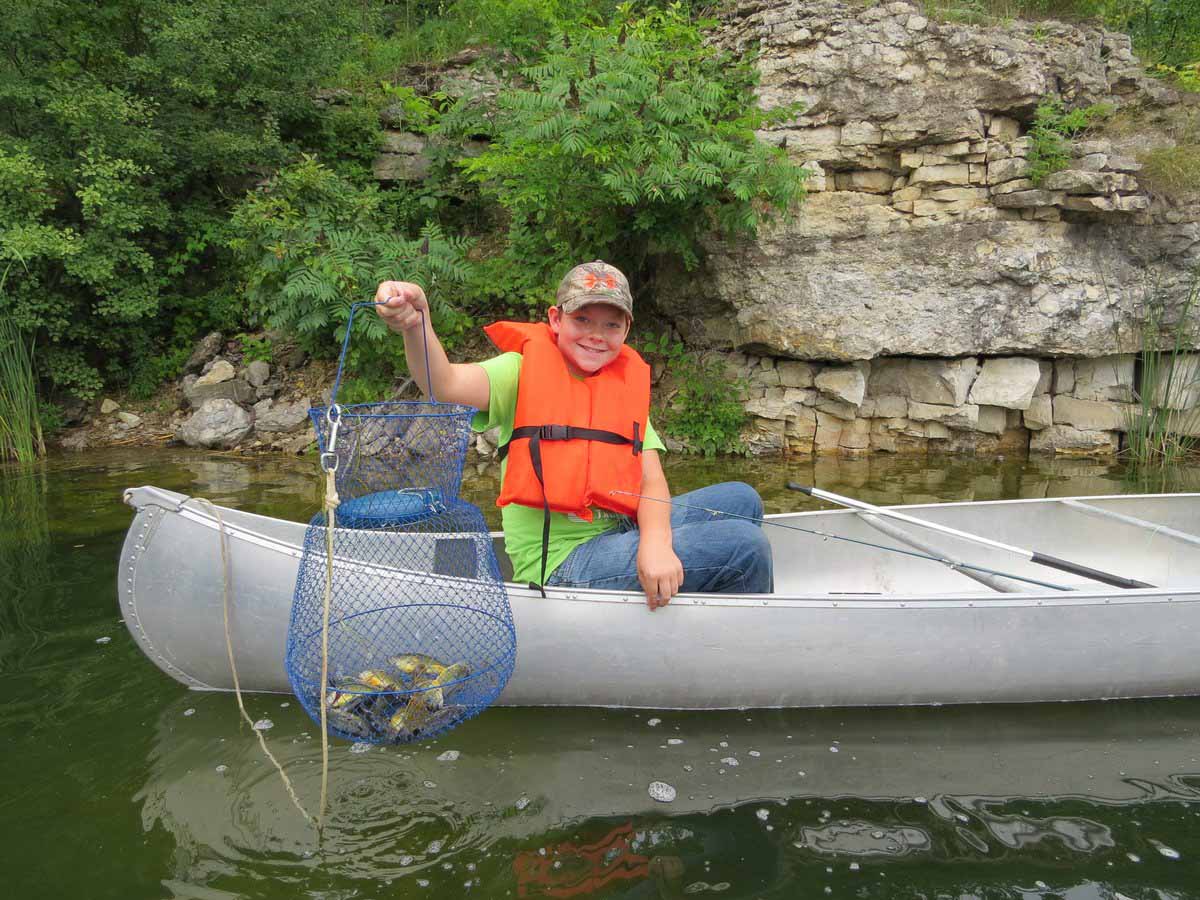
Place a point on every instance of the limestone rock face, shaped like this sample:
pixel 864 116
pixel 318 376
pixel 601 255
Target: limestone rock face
pixel 1009 382
pixel 963 255
pixel 1068 440
pixel 217 424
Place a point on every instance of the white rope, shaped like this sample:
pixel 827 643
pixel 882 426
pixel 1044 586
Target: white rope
pixel 331 504
pixel 237 690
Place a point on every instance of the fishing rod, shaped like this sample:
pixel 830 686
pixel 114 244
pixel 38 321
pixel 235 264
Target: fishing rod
pixel 1034 556
pixel 953 564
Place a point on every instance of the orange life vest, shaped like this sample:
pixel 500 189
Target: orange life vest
pixel 574 439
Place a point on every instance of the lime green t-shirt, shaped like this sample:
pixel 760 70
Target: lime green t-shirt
pixel 523 524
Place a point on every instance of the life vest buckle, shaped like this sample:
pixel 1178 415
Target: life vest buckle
pixel 555 432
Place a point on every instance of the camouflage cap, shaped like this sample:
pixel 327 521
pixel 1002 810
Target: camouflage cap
pixel 594 282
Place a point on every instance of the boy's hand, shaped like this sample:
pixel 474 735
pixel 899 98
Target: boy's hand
pixel 401 305
pixel 660 573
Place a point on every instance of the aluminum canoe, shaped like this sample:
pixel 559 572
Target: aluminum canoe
pixel 848 625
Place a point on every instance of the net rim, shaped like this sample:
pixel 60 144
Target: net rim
pixel 449 410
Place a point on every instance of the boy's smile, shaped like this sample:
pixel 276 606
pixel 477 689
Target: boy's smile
pixel 590 337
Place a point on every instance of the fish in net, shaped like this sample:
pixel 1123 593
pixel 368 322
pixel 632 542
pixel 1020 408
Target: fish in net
pixel 420 634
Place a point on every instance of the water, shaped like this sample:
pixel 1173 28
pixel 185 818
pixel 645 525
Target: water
pixel 117 782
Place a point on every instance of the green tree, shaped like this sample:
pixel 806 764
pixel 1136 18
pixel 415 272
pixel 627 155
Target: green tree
pixel 632 139
pixel 139 119
pixel 309 243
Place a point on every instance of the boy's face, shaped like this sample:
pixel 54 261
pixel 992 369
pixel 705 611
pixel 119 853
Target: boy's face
pixel 590 337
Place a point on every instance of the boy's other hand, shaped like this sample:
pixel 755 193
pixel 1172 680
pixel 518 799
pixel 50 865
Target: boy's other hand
pixel 401 305
pixel 660 573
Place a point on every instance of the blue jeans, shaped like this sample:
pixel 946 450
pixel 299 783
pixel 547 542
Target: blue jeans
pixel 719 554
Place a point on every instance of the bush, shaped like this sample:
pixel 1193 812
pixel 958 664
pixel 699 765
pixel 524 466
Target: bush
pixel 309 243
pixel 632 139
pixel 1052 129
pixel 704 411
pixel 127 125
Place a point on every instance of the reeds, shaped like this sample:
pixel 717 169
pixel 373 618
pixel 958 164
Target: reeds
pixel 20 425
pixel 1163 422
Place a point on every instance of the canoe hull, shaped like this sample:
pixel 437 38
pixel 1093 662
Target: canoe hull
pixel 595 648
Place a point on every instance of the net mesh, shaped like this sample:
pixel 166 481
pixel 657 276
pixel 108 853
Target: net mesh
pixel 420 630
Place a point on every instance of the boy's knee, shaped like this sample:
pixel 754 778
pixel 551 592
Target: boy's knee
pixel 746 538
pixel 744 500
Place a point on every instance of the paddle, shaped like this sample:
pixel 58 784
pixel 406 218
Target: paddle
pixel 953 564
pixel 1034 556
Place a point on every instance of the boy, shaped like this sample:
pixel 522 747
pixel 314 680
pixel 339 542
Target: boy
pixel 571 401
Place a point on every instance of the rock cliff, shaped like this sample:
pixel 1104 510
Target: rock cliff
pixel 922 234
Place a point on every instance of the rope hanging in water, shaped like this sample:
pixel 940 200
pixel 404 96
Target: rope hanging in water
pixel 223 539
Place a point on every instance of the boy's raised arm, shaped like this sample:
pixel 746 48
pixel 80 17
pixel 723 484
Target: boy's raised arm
pixel 405 310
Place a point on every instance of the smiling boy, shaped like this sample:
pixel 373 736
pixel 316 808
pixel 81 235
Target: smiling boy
pixel 571 401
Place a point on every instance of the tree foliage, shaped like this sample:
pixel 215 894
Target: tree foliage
pixel 632 138
pixel 309 243
pixel 125 126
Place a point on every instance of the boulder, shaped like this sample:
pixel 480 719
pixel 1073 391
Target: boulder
pixel 281 416
pixel 1081 181
pixel 965 416
pixel 887 406
pixel 208 347
pixel 257 373
pixel 75 441
pixel 198 394
pixel 218 424
pixel 1103 378
pixel 107 407
pixel 1008 381
pixel 129 419
pixel 217 372
pixel 992 420
pixel 1178 384
pixel 795 374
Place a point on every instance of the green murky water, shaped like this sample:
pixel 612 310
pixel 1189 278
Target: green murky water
pixel 117 782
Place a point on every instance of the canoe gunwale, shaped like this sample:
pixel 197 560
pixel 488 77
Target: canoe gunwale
pixel 1101 595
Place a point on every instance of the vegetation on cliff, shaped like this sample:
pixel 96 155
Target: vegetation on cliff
pixel 169 167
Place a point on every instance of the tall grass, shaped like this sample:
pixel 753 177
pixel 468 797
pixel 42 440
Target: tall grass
pixel 20 424
pixel 1163 423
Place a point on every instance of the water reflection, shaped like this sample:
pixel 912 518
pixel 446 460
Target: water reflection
pixel 24 557
pixel 556 801
pixel 1081 801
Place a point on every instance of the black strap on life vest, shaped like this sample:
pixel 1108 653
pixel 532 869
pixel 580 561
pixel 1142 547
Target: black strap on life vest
pixel 538 433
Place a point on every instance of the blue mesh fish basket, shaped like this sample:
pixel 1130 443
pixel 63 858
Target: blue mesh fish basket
pixel 420 632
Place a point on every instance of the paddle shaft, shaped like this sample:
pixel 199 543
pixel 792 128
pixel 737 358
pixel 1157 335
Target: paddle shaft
pixel 953 564
pixel 1034 556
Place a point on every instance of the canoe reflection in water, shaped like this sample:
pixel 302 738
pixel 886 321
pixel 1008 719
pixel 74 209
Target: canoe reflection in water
pixel 763 803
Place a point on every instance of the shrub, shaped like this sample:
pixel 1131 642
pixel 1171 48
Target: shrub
pixel 310 243
pixel 127 125
pixel 631 139
pixel 1053 127
pixel 704 411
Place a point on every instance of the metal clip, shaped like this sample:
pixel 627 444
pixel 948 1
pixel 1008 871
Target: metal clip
pixel 330 453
